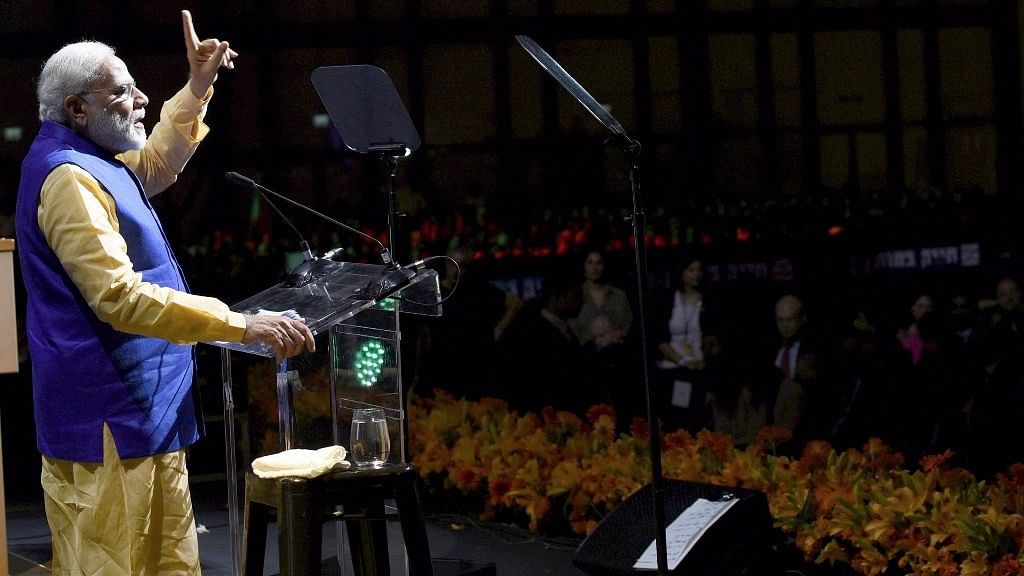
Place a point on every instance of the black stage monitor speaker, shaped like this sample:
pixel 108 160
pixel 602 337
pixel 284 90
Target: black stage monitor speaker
pixel 737 544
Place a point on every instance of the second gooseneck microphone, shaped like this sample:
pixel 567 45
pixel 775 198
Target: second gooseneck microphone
pixel 236 178
pixel 307 254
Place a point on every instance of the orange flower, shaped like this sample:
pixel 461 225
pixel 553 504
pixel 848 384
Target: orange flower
pixel 1007 566
pixel 880 457
pixel 815 456
pixel 498 490
pixel 678 439
pixel 719 444
pixel 936 461
pixel 1017 471
pixel 825 498
pixel 467 478
pixel 640 429
pixel 771 436
pixel 595 412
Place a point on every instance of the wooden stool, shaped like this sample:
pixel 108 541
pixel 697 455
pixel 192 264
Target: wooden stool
pixel 303 505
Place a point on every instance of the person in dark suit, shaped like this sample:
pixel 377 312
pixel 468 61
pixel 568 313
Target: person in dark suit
pixel 540 354
pixel 801 400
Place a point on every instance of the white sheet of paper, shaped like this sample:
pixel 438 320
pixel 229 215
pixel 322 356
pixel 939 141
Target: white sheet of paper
pixel 684 531
pixel 290 313
pixel 681 392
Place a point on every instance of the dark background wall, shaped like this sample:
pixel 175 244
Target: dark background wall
pixel 737 103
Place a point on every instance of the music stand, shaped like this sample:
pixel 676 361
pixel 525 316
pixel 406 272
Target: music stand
pixel 632 148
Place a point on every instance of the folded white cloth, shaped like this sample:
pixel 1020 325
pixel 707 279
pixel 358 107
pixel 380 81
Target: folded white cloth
pixel 300 462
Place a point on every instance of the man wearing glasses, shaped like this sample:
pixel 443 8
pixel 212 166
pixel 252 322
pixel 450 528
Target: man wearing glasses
pixel 110 320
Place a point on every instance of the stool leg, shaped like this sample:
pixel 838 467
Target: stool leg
pixel 414 532
pixel 359 543
pixel 298 531
pixel 368 539
pixel 254 540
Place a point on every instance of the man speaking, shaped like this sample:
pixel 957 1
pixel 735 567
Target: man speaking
pixel 110 320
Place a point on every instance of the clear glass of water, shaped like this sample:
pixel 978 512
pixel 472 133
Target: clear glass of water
pixel 369 441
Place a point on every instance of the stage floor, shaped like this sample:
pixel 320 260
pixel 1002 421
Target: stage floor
pixel 513 551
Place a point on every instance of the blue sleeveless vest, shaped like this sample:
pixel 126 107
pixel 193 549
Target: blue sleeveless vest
pixel 85 373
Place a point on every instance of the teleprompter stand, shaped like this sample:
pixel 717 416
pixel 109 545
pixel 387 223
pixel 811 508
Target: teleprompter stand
pixel 632 149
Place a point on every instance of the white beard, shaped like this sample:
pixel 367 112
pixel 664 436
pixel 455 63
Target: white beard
pixel 117 133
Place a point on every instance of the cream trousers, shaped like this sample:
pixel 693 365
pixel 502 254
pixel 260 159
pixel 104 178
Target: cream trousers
pixel 122 517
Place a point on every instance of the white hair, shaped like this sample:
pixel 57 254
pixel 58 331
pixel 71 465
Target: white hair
pixel 71 70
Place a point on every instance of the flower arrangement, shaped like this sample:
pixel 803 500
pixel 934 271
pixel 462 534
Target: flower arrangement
pixel 859 508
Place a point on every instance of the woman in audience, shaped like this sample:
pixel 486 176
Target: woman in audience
pixel 685 345
pixel 600 298
pixel 910 336
pixel 921 380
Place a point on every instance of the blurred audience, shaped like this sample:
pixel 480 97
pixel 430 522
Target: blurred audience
pixel 954 376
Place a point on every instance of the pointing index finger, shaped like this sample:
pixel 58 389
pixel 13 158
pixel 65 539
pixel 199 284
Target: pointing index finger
pixel 191 39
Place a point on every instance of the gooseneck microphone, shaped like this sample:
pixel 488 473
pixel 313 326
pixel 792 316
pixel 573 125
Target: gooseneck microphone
pixel 236 178
pixel 307 254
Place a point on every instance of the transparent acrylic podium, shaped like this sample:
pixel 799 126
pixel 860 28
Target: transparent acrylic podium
pixel 307 402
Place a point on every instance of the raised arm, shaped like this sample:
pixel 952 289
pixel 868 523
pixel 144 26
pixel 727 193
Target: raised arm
pixel 204 57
